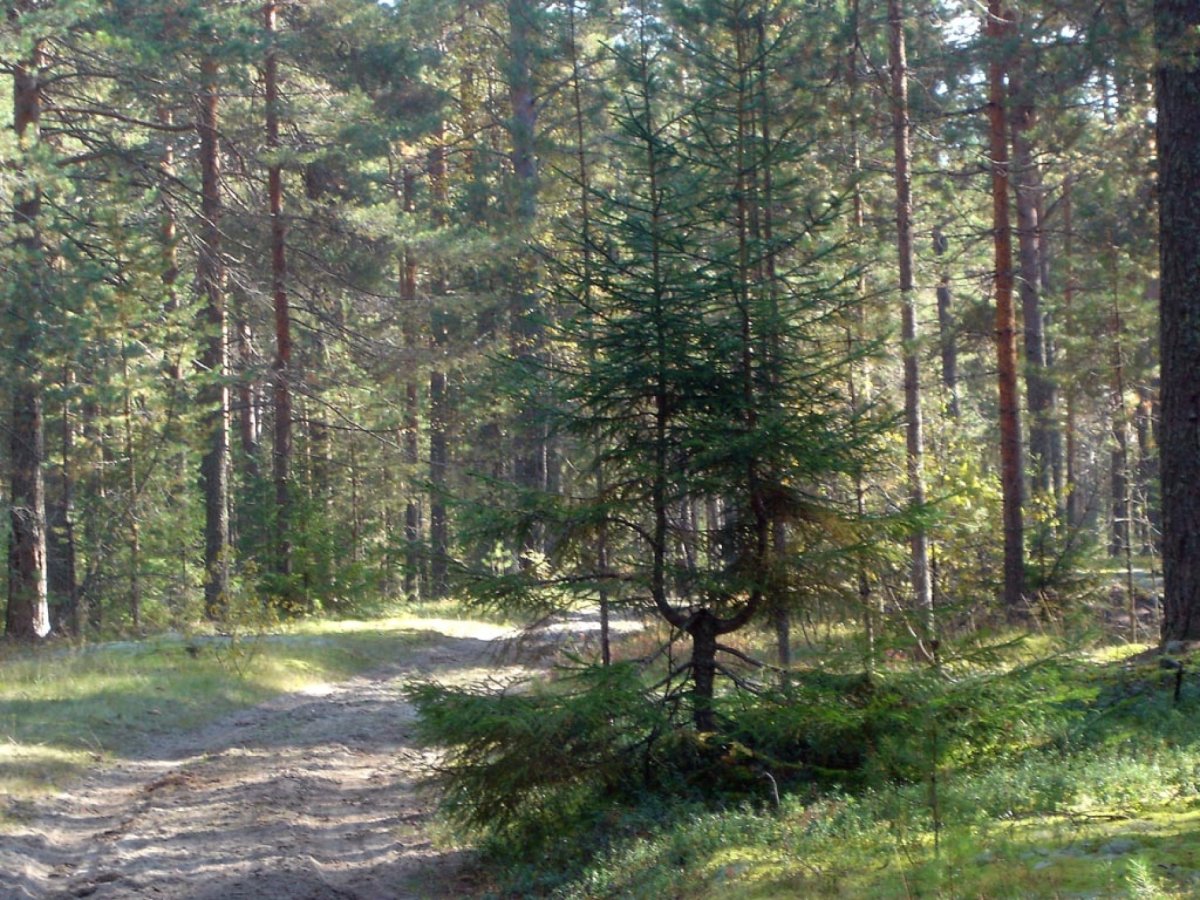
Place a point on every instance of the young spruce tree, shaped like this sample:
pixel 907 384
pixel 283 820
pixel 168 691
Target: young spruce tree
pixel 689 334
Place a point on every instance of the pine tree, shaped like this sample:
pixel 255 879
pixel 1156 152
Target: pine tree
pixel 1178 83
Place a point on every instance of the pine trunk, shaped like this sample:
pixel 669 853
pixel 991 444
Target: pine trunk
pixel 703 629
pixel 531 462
pixel 919 541
pixel 214 467
pixel 1074 507
pixel 281 451
pixel 1178 127
pixel 1119 533
pixel 1011 475
pixel 1039 389
pixel 61 550
pixel 439 407
pixel 28 614
pixel 412 411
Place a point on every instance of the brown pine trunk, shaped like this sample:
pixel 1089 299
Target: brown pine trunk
pixel 919 541
pixel 214 397
pixel 133 504
pixel 61 550
pixel 1011 476
pixel 95 548
pixel 531 452
pixel 1039 390
pixel 439 409
pixel 1070 453
pixel 412 411
pixel 249 428
pixel 1119 533
pixel 870 607
pixel 1149 522
pixel 583 173
pixel 703 628
pixel 946 337
pixel 281 451
pixel 27 615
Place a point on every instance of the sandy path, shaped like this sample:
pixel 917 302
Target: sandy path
pixel 312 795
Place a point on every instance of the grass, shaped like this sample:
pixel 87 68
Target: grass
pixel 64 709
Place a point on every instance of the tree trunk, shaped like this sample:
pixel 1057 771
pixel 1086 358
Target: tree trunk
pixel 1178 127
pixel 703 628
pixel 1039 390
pixel 61 551
pixel 412 412
pixel 28 613
pixel 919 541
pixel 439 451
pixel 1149 521
pixel 531 462
pixel 281 455
pixel 600 484
pixel 946 330
pixel 1119 533
pixel 249 427
pixel 133 504
pixel 870 607
pixel 1070 452
pixel 1011 476
pixel 214 467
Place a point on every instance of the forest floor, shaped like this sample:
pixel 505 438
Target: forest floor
pixel 315 794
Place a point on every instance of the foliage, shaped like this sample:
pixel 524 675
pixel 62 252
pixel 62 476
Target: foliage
pixel 1065 775
pixel 546 772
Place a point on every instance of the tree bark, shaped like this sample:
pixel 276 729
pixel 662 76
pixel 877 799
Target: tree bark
pixel 281 454
pixel 214 467
pixel 61 550
pixel 439 411
pixel 1039 389
pixel 919 540
pixel 1121 508
pixel 1178 128
pixel 28 614
pixel 531 450
pixel 704 628
pixel 412 409
pixel 1011 476
pixel 946 330
pixel 583 175
pixel 1070 453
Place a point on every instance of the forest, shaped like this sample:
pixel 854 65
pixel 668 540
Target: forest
pixel 831 361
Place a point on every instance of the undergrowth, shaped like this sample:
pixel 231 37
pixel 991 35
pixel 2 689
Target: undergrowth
pixel 1061 776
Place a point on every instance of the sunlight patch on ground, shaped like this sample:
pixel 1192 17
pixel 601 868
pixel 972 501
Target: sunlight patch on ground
pixel 28 769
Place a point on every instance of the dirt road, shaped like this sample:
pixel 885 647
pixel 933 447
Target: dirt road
pixel 312 795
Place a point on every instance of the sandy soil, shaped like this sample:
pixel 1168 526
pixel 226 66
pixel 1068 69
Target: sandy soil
pixel 312 795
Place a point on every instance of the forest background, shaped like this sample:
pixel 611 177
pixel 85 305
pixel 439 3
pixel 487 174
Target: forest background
pixel 819 338
pixel 270 268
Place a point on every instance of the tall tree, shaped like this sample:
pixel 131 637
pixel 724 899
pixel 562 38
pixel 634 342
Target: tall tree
pixel 281 456
pixel 999 31
pixel 1177 79
pixel 214 467
pixel 439 402
pixel 28 614
pixel 919 542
